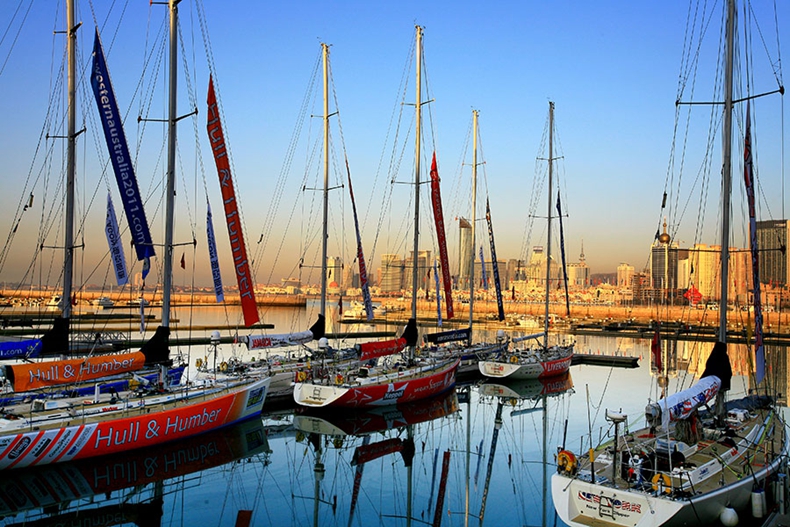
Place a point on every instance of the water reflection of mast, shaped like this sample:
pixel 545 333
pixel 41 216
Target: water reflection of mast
pixel 490 468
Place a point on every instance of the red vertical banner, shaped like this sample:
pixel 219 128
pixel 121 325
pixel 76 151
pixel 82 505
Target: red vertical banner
pixel 239 250
pixel 436 201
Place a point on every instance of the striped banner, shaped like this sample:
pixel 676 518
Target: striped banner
pixel 240 264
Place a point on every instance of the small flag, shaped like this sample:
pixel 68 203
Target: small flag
pixel 146 266
pixel 183 262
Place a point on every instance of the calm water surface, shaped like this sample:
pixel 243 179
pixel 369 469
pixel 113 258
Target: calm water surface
pixel 481 455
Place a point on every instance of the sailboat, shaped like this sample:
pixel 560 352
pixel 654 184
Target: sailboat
pixel 56 431
pixel 687 466
pixel 459 342
pixel 539 360
pixel 393 379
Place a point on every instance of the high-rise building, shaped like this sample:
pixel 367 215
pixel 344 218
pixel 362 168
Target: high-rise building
pixel 334 270
pixel 424 263
pixel 772 238
pixel 391 273
pixel 625 276
pixel 465 253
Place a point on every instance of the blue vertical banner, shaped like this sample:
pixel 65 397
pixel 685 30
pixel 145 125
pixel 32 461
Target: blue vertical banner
pixel 748 176
pixel 119 154
pixel 495 266
pixel 114 242
pixel 213 257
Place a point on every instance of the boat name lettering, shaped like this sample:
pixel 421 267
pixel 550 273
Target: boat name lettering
pixel 624 506
pixel 179 424
pixel 85 369
pixel 260 342
pixel 555 366
pixel 394 394
pixel 118 437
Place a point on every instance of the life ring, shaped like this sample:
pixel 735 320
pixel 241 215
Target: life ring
pixel 662 483
pixel 513 359
pixel 198 363
pixel 338 379
pixel 223 366
pixel 566 462
pixel 301 376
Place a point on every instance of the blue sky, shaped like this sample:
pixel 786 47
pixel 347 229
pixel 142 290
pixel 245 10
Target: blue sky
pixel 611 69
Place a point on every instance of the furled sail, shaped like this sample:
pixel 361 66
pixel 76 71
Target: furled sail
pixel 240 263
pixel 436 202
pixel 363 271
pixel 759 350
pixel 562 252
pixel 495 266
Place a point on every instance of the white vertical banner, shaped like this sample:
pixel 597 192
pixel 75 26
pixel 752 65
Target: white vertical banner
pixel 114 242
pixel 213 258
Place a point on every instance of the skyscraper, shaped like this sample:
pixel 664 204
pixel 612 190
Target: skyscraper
pixel 772 239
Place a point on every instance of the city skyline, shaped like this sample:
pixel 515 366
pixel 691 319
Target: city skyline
pixel 613 76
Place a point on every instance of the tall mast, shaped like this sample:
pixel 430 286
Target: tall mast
pixel 418 139
pixel 474 223
pixel 548 228
pixel 170 185
pixel 68 243
pixel 726 171
pixel 325 55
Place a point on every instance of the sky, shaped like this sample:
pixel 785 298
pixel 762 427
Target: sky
pixel 612 70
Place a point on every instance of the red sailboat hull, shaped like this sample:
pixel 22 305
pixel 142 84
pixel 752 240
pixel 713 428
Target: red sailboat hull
pixel 399 388
pixel 58 444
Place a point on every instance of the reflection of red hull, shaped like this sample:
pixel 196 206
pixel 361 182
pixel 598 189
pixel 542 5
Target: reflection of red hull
pixel 122 434
pixel 362 422
pixel 527 389
pixel 47 486
pixel 386 392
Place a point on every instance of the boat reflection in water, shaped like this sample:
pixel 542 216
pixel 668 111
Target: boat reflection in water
pixel 122 488
pixel 369 435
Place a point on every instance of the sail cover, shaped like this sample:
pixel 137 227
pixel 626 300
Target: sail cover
pixel 24 377
pixel 436 202
pixel 562 252
pixel 13 348
pixel 682 404
pixel 315 332
pixel 119 153
pixel 448 336
pixel 256 342
pixel 239 250
pixel 374 350
pixel 759 350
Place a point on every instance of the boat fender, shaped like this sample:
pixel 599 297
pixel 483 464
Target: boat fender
pixel 513 359
pixel 198 363
pixel 301 376
pixel 729 517
pixel 566 462
pixel 662 483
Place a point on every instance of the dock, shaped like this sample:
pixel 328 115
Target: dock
pixel 612 361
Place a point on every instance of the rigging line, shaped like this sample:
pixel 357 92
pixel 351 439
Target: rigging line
pixel 16 36
pixel 285 170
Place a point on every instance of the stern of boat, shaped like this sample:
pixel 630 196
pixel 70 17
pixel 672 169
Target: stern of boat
pixel 582 504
